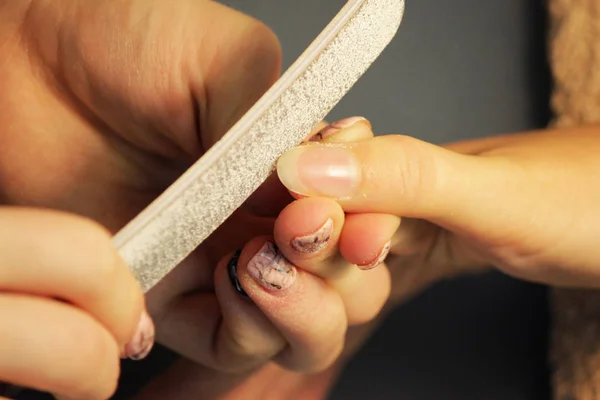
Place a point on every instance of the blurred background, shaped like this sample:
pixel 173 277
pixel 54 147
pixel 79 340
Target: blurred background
pixel 457 69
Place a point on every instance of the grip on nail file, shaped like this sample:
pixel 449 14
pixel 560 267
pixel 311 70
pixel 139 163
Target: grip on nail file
pixel 180 219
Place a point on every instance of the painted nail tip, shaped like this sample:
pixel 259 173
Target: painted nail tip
pixel 143 340
pixel 143 353
pixel 335 127
pixel 385 251
pixel 270 269
pixel 232 266
pixel 315 241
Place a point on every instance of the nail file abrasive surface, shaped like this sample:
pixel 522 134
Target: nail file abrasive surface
pixel 180 219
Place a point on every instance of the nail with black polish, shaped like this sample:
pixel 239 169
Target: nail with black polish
pixel 232 271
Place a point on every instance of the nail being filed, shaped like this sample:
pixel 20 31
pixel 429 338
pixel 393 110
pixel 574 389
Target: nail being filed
pixel 232 272
pixel 143 340
pixel 315 241
pixel 336 127
pixel 380 257
pixel 271 269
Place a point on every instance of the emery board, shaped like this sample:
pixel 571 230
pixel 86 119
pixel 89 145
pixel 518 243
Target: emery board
pixel 199 201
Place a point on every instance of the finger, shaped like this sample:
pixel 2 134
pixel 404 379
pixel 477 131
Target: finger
pixel 62 256
pixel 247 47
pixel 315 134
pixel 54 347
pixel 307 233
pixel 309 314
pixel 231 333
pixel 350 129
pixel 271 197
pixel 366 239
pixel 223 330
pixel 410 178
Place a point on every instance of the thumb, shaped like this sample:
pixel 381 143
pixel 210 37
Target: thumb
pixel 410 178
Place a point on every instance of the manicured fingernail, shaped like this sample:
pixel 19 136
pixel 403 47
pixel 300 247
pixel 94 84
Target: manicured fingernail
pixel 320 170
pixel 143 339
pixel 315 241
pixel 380 257
pixel 232 271
pixel 271 269
pixel 336 127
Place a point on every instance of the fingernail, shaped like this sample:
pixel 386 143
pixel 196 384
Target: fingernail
pixel 271 269
pixel 336 127
pixel 232 271
pixel 143 339
pixel 320 170
pixel 315 241
pixel 380 257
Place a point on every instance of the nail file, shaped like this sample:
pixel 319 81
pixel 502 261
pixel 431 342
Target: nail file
pixel 197 203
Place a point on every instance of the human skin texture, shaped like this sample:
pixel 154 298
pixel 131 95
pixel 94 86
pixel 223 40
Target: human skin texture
pixel 103 106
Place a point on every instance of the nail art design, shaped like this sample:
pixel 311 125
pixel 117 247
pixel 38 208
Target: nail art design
pixel 271 269
pixel 380 258
pixel 336 127
pixel 315 241
pixel 232 271
pixel 143 339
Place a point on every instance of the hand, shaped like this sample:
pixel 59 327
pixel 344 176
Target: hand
pixel 69 306
pixel 121 97
pixel 526 203
pixel 105 104
pixel 286 323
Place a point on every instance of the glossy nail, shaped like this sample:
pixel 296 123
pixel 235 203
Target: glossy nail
pixel 380 257
pixel 143 339
pixel 337 126
pixel 315 241
pixel 270 269
pixel 320 170
pixel 232 271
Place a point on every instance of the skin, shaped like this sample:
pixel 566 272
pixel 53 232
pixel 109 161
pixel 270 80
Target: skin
pixel 61 331
pixel 526 217
pixel 523 203
pixel 103 106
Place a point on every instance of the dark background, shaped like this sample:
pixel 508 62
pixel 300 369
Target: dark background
pixel 457 69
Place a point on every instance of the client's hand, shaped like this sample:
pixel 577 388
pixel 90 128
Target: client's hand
pixel 526 203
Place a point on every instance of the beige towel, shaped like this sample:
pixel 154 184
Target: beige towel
pixel 574 40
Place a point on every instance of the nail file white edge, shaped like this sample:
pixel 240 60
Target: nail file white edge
pixel 197 203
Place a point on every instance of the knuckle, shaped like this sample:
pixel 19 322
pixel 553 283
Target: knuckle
pixel 370 309
pixel 414 174
pixel 97 364
pixel 239 352
pixel 322 344
pixel 94 244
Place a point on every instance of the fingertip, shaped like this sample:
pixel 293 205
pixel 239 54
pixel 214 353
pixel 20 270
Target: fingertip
pixel 365 239
pixel 308 228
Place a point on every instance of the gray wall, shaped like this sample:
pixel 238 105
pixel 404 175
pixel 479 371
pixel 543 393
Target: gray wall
pixel 457 69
